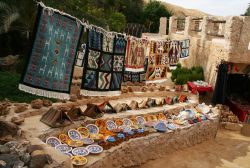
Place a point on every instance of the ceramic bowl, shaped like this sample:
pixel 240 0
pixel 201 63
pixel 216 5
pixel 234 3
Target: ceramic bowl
pixel 74 135
pixel 83 131
pixel 111 125
pixel 88 141
pixel 127 122
pixel 94 149
pixel 64 138
pixel 63 148
pixel 79 160
pixel 140 120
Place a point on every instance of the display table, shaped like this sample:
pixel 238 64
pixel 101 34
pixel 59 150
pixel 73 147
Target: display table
pixel 201 89
pixel 238 109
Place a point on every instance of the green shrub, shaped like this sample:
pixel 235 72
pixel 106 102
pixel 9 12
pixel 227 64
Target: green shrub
pixel 182 75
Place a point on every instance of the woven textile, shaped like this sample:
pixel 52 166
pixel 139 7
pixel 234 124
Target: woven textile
pixel 136 53
pixel 51 61
pixel 158 61
pixel 103 68
pixel 174 52
pixel 185 48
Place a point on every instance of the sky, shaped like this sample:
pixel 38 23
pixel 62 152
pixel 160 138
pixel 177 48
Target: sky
pixel 214 7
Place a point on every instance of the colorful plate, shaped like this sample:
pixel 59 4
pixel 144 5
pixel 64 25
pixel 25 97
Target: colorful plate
pixel 127 122
pixel 93 129
pixel 53 141
pixel 119 122
pixel 63 148
pixel 74 135
pixel 161 127
pixel 94 149
pixel 64 138
pixel 100 123
pixel 79 160
pixel 161 116
pixel 125 128
pixel 111 125
pixel 140 120
pixel 88 141
pixel 80 151
pixel 75 143
pixel 83 131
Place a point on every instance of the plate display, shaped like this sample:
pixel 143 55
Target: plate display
pixel 140 120
pixel 80 151
pixel 94 149
pixel 127 122
pixel 111 125
pixel 64 138
pixel 83 131
pixel 74 135
pixel 88 141
pixel 63 148
pixel 93 129
pixel 53 141
pixel 79 160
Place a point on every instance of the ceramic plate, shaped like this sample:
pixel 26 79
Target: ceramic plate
pixel 161 127
pixel 74 135
pixel 94 149
pixel 83 131
pixel 140 120
pixel 77 143
pixel 64 138
pixel 93 129
pixel 63 148
pixel 68 154
pixel 171 126
pixel 79 160
pixel 127 122
pixel 111 125
pixel 53 141
pixel 80 151
pixel 88 141
pixel 125 128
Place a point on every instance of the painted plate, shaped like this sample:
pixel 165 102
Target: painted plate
pixel 80 151
pixel 93 129
pixel 83 131
pixel 68 154
pixel 140 120
pixel 111 125
pixel 63 148
pixel 94 149
pixel 88 141
pixel 53 141
pixel 79 160
pixel 77 143
pixel 125 128
pixel 64 138
pixel 74 135
pixel 127 122
pixel 119 122
pixel 161 127
pixel 171 126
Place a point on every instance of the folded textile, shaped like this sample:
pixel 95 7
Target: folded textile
pixel 51 60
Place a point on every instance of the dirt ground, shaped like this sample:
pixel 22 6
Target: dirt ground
pixel 230 149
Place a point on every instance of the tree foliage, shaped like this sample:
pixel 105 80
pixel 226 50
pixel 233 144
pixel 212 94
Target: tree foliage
pixel 247 13
pixel 152 14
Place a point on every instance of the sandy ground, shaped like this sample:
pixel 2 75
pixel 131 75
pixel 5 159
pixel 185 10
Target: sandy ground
pixel 230 149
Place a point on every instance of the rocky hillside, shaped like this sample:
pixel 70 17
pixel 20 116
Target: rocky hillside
pixel 181 11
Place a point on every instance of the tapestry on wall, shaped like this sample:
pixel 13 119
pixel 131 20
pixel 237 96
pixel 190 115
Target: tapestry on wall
pixel 174 52
pixel 51 61
pixel 158 61
pixel 135 54
pixel 185 48
pixel 104 64
pixel 135 76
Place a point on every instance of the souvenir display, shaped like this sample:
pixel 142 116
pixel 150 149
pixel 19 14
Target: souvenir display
pixel 79 160
pixel 53 141
pixel 94 149
pixel 64 148
pixel 93 129
pixel 74 135
pixel 83 131
pixel 80 151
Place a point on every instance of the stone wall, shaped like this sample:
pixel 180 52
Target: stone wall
pixel 215 39
pixel 137 151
